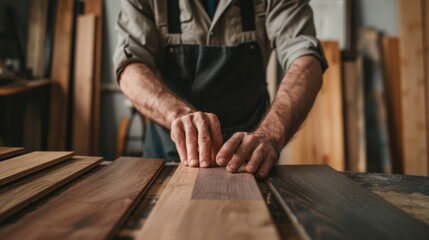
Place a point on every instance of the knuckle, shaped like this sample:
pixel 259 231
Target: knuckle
pixel 205 139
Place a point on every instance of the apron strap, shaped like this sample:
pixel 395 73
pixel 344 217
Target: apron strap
pixel 247 15
pixel 173 16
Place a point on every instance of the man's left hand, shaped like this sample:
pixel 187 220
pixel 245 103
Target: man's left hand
pixel 259 151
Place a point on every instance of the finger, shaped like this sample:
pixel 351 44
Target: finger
pixel 243 153
pixel 266 166
pixel 255 159
pixel 178 136
pixel 215 133
pixel 204 139
pixel 191 142
pixel 229 148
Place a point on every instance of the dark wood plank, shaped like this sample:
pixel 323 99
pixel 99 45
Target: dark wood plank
pixel 324 204
pixel 16 196
pixel 212 204
pixel 94 208
pixel 21 166
pixel 7 152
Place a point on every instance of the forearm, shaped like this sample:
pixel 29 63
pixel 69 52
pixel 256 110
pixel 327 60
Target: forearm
pixel 151 96
pixel 294 99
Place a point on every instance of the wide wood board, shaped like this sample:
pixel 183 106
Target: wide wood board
pixel 324 204
pixel 209 204
pixel 7 152
pixel 16 196
pixel 94 208
pixel 18 167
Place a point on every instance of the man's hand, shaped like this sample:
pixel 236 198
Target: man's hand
pixel 197 137
pixel 258 150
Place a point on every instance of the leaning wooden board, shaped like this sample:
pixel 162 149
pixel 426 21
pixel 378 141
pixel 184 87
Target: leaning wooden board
pixel 18 167
pixel 16 196
pixel 327 205
pixel 6 152
pixel 94 208
pixel 209 203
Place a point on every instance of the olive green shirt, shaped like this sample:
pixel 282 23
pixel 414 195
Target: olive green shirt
pixel 284 25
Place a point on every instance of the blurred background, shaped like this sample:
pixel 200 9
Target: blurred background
pixel 58 87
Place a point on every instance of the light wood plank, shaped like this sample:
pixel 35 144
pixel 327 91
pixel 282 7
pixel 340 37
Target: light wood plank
pixel 37 37
pixel 94 208
pixel 391 59
pixel 84 84
pixel 321 138
pixel 61 63
pixel 209 204
pixel 21 166
pixel 324 204
pixel 96 7
pixel 7 152
pixel 425 11
pixel 413 99
pixel 18 195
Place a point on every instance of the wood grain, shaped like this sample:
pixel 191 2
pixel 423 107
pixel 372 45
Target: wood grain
pixel 7 152
pixel 61 64
pixel 16 196
pixel 324 204
pixel 83 84
pixel 94 208
pixel 21 166
pixel 391 59
pixel 37 37
pixel 321 138
pixel 354 116
pixel 425 10
pixel 413 99
pixel 209 204
pixel 96 7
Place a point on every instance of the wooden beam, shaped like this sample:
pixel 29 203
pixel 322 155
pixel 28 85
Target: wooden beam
pixel 425 14
pixel 7 152
pixel 324 204
pixel 413 85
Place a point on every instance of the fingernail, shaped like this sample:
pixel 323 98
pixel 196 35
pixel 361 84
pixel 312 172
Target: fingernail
pixel 221 160
pixel 193 162
pixel 204 164
pixel 261 174
pixel 185 162
pixel 230 168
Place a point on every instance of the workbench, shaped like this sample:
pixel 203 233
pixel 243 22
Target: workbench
pixel 409 193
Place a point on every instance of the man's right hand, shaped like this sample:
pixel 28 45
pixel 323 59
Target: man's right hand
pixel 198 138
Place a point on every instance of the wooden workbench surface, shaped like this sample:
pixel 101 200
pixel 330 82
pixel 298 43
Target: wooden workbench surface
pixel 411 194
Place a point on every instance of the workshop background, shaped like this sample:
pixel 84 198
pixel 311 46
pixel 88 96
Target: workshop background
pixel 58 88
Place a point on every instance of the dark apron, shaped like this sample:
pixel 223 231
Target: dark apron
pixel 227 81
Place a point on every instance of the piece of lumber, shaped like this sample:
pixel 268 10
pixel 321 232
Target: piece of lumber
pixel 122 136
pixel 354 116
pixel 391 59
pixel 209 204
pixel 321 138
pixel 425 15
pixel 96 7
pixel 324 204
pixel 61 64
pixel 37 37
pixel 413 99
pixel 17 167
pixel 94 208
pixel 83 84
pixel 16 196
pixel 7 152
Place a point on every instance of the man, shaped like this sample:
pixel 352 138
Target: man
pixel 196 69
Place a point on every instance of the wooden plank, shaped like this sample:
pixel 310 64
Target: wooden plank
pixel 321 138
pixel 425 10
pixel 414 128
pixel 83 84
pixel 16 196
pixel 94 208
pixel 337 207
pixel 7 152
pixel 61 63
pixel 354 116
pixel 96 7
pixel 37 37
pixel 391 59
pixel 21 166
pixel 221 204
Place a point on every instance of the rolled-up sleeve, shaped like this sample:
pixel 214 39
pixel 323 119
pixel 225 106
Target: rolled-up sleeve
pixel 290 28
pixel 138 39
